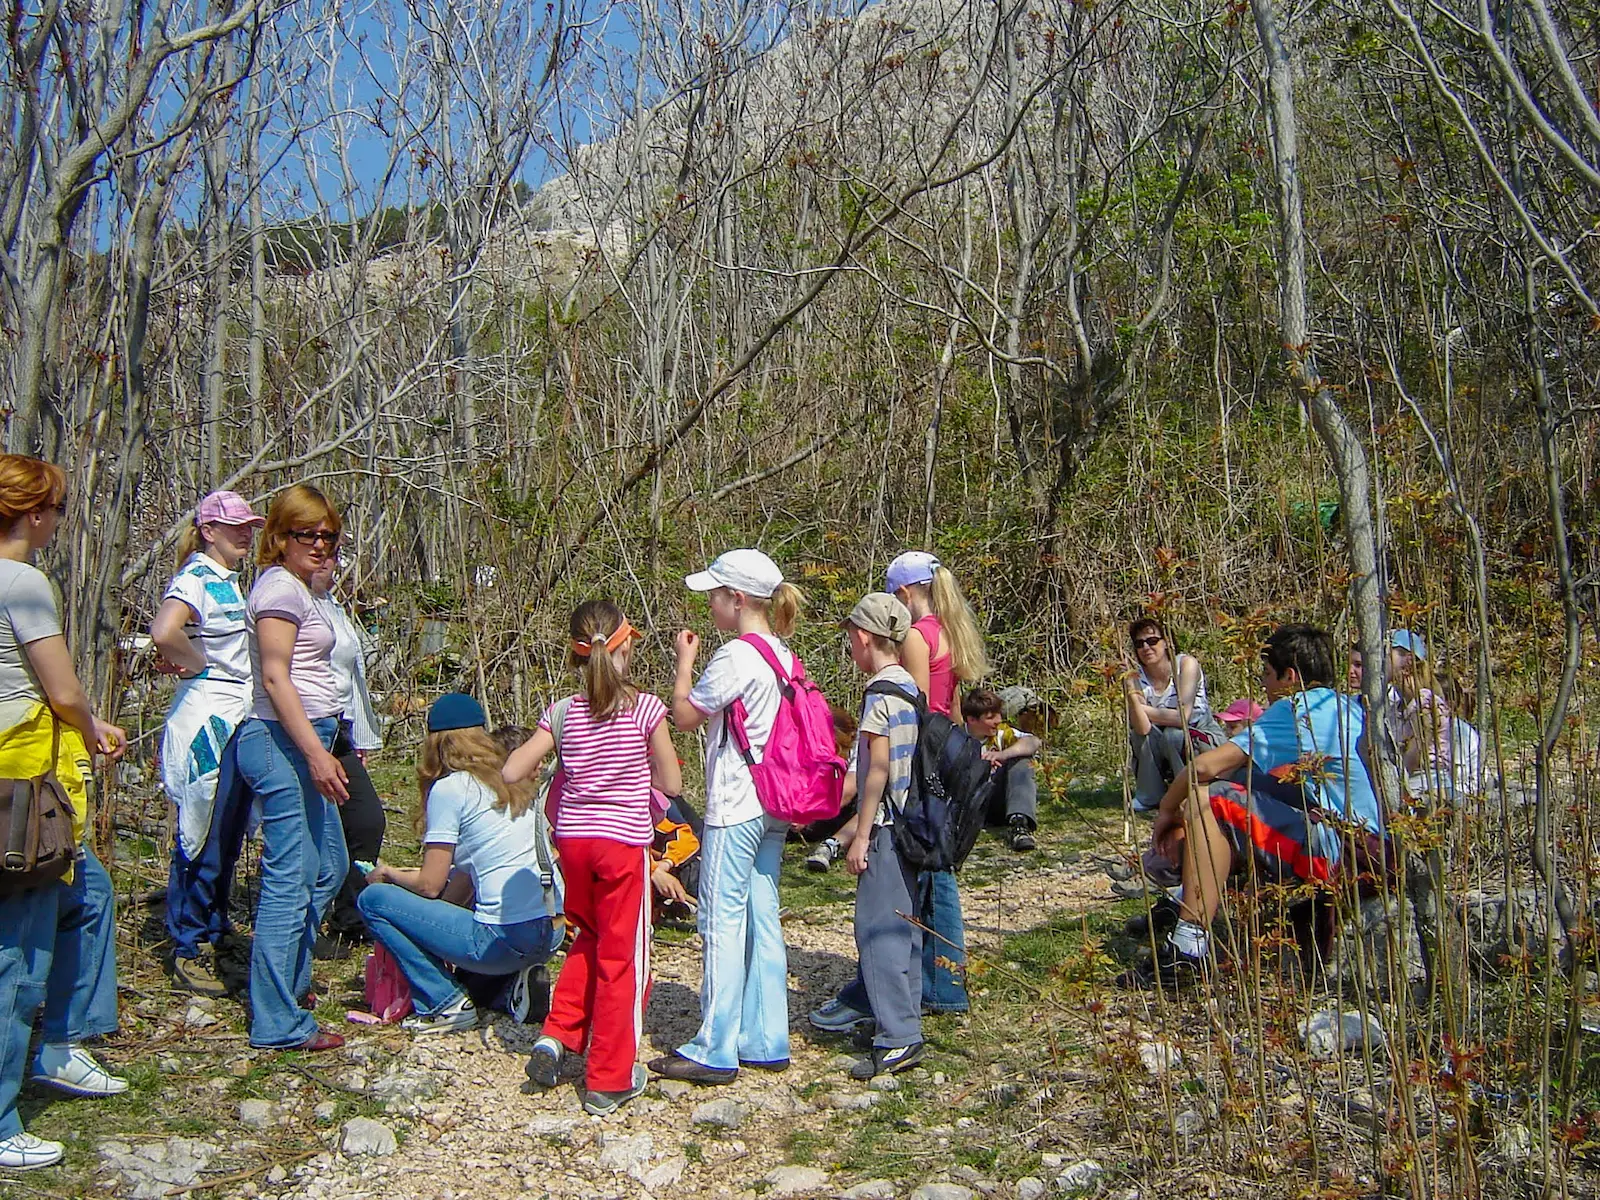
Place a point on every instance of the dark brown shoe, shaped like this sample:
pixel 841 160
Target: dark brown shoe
pixel 676 1066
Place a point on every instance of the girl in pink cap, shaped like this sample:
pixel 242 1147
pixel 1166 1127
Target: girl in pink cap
pixel 199 631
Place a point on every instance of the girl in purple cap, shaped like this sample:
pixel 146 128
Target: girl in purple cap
pixel 199 631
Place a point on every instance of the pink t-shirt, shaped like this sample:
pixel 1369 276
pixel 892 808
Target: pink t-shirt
pixel 941 670
pixel 606 793
pixel 279 593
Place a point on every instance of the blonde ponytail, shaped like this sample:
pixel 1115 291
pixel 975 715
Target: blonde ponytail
pixel 960 626
pixel 190 543
pixel 783 609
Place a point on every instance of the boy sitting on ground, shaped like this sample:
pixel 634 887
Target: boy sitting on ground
pixel 1302 764
pixel 1013 791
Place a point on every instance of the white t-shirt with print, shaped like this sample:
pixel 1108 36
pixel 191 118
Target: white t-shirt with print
pixel 737 671
pixel 217 631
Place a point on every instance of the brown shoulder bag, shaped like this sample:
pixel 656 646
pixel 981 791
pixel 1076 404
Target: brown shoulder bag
pixel 36 843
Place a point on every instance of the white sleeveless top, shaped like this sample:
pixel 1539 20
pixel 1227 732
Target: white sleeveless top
pixel 1168 698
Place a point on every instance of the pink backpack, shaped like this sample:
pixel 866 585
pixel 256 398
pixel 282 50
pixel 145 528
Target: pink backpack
pixel 800 777
pixel 388 990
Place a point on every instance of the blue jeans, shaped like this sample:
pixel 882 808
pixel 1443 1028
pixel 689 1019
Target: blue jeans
pixel 81 994
pixel 424 935
pixel 302 864
pixel 944 987
pixel 27 945
pixel 744 988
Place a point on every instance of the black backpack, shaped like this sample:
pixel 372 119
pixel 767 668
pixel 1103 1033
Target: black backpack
pixel 944 814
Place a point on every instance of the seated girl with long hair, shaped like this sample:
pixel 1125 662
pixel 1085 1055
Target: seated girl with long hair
pixel 475 822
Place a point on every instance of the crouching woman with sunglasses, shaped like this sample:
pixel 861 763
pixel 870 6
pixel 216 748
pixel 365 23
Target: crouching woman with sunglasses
pixel 281 754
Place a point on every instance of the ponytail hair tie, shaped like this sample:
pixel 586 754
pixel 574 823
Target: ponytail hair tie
pixel 625 633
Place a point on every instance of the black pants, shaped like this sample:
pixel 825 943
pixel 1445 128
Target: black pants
pixel 364 825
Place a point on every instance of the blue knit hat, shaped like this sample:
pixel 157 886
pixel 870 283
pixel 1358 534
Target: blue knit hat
pixel 455 710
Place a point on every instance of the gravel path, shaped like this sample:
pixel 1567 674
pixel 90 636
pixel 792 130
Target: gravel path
pixel 470 1125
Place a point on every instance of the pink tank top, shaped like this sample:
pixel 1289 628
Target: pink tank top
pixel 941 671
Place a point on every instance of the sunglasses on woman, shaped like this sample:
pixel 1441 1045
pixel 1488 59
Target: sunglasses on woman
pixel 312 537
pixel 1145 642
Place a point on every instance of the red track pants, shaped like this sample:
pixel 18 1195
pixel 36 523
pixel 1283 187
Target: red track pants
pixel 600 995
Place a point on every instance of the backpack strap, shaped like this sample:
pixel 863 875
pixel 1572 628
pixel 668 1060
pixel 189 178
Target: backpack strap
pixel 541 823
pixel 770 657
pixel 915 697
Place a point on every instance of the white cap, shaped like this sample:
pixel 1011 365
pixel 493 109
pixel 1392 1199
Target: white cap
pixel 747 571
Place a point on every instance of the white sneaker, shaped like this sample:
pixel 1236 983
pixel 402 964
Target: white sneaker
pixel 24 1152
pixel 459 1014
pixel 73 1070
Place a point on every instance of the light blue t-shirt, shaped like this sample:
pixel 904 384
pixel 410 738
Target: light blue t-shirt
pixel 498 852
pixel 1318 721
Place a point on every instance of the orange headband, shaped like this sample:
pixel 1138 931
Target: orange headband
pixel 625 632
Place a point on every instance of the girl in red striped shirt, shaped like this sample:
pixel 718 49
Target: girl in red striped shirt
pixel 615 744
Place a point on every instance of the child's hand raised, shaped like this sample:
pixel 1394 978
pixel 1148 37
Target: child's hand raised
pixel 688 645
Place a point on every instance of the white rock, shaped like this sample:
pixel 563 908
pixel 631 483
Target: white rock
pixel 551 1125
pixel 1029 1188
pixel 1081 1176
pixel 795 1181
pixel 168 1064
pixel 196 1017
pixel 1188 1122
pixel 942 1191
pixel 624 1153
pixel 872 1189
pixel 363 1135
pixel 674 1089
pixel 325 1110
pixel 1330 1032
pixel 1159 1057
pixel 1514 1142
pixel 255 1114
pixel 725 1113
pixel 277 1175
pixel 1052 1161
pixel 884 1083
pixel 154 1168
pixel 664 1174
pixel 938 1079
pixel 853 1101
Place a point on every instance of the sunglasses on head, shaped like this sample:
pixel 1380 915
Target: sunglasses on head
pixel 312 537
pixel 1147 641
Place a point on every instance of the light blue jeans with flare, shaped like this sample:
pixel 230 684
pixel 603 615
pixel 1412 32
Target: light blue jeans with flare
pixel 744 990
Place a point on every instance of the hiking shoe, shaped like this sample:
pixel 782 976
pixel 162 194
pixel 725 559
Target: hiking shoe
pixel 836 1016
pixel 1162 917
pixel 1168 969
pixel 603 1104
pixel 530 995
pixel 676 1066
pixel 197 975
pixel 461 1013
pixel 1021 836
pixel 330 949
pixel 24 1152
pixel 544 1064
pixel 73 1070
pixel 888 1062
pixel 820 859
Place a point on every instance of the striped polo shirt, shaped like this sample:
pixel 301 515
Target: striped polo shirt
pixel 895 719
pixel 607 767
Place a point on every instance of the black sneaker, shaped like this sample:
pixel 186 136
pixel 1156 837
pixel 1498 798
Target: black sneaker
pixel 1021 836
pixel 888 1062
pixel 686 1070
pixel 530 995
pixel 330 949
pixel 1162 917
pixel 1168 969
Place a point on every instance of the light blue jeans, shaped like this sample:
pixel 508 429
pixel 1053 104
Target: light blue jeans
pixel 303 861
pixel 424 935
pixel 81 994
pixel 944 958
pixel 744 989
pixel 27 945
